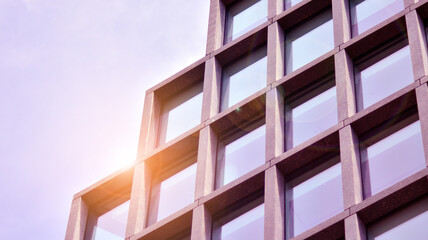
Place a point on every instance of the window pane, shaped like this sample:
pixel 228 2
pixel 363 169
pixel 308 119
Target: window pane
pixel 243 78
pixel 308 41
pixel 383 78
pixel 311 117
pixel 314 200
pixel 392 159
pixel 290 3
pixel 368 13
pixel 409 223
pixel 180 187
pixel 181 113
pixel 241 156
pixel 249 226
pixel 244 16
pixel 112 225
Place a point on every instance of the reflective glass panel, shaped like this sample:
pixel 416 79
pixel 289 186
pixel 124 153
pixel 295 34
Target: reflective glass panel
pixel 181 113
pixel 172 194
pixel 290 3
pixel 313 200
pixel 241 156
pixel 306 119
pixel 367 14
pixel 243 16
pixel 243 78
pixel 408 223
pixel 112 225
pixel 308 41
pixel 249 226
pixel 392 159
pixel 383 78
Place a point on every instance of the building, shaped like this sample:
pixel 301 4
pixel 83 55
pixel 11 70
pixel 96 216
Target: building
pixel 305 120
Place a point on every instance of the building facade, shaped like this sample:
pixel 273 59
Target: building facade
pixel 306 119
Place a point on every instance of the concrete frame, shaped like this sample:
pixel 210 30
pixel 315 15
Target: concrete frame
pixel 134 183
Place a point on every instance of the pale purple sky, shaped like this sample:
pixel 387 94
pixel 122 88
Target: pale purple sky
pixel 73 75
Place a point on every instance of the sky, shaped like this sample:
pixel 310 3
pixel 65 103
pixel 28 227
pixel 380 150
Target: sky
pixel 73 75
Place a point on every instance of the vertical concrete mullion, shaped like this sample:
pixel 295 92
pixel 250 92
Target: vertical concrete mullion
pixel 215 25
pixel 201 223
pixel 212 88
pixel 274 123
pixel 207 152
pixel 275 7
pixel 351 173
pixel 274 204
pixel 77 220
pixel 354 228
pixel 341 21
pixel 345 87
pixel 275 53
pixel 422 100
pixel 139 202
pixel 417 44
pixel 408 3
pixel 149 125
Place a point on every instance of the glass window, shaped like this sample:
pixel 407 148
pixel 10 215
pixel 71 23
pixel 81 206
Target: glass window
pixel 243 78
pixel 310 115
pixel 240 156
pixel 392 159
pixel 181 113
pixel 408 223
pixel 308 41
pixel 171 194
pixel 112 225
pixel 243 16
pixel 249 225
pixel 313 198
pixel 384 77
pixel 290 3
pixel 366 14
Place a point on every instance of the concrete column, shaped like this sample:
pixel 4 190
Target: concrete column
pixel 345 87
pixel 275 7
pixel 354 228
pixel 77 220
pixel 201 223
pixel 275 53
pixel 417 44
pixel 139 203
pixel 215 25
pixel 207 153
pixel 212 88
pixel 341 21
pixel 274 204
pixel 351 173
pixel 149 125
pixel 422 100
pixel 274 123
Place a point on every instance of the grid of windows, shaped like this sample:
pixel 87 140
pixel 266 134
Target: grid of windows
pixel 306 120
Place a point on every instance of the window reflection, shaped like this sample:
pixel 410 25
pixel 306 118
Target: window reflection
pixel 249 226
pixel 384 77
pixel 392 159
pixel 243 78
pixel 308 41
pixel 112 225
pixel 313 198
pixel 289 3
pixel 172 194
pixel 408 223
pixel 240 156
pixel 310 115
pixel 243 16
pixel 367 14
pixel 181 113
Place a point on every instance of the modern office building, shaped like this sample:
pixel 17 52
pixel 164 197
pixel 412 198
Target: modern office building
pixel 306 119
